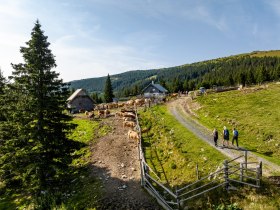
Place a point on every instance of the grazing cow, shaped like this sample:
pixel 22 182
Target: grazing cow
pixel 173 95
pixel 139 102
pixel 103 113
pixel 130 103
pixel 129 119
pixel 129 114
pixel 133 135
pixel 91 115
pixel 107 112
pixel 118 114
pixel 129 124
pixel 120 105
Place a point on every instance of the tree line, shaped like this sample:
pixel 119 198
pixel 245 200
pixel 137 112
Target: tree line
pixel 230 71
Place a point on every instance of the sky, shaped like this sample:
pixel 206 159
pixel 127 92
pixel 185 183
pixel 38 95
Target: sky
pixel 94 38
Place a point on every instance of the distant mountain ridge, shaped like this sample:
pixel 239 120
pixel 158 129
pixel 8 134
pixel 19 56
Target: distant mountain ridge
pixel 189 76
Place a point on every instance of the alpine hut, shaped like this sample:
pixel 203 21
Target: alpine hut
pixel 80 100
pixel 154 90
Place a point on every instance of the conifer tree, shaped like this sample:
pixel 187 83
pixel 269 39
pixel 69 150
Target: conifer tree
pixel 2 97
pixel 37 152
pixel 108 90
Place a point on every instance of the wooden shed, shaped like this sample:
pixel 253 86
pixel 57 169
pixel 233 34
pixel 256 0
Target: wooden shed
pixel 80 100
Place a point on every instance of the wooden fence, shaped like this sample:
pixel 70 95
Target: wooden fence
pixel 233 171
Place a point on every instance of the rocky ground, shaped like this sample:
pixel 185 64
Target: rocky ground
pixel 116 163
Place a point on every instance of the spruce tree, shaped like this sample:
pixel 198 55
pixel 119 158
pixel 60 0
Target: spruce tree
pixel 37 152
pixel 108 90
pixel 3 84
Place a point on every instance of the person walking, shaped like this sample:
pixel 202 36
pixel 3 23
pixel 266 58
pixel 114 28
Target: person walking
pixel 235 137
pixel 215 136
pixel 225 136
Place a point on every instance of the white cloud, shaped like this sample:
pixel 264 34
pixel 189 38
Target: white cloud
pixel 275 6
pixel 203 14
pixel 76 62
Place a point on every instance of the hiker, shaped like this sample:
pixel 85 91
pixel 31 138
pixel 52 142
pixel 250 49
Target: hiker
pixel 215 135
pixel 225 136
pixel 235 137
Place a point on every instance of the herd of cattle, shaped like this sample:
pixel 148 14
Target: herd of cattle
pixel 124 111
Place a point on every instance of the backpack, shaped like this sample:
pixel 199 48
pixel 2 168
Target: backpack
pixel 226 133
pixel 235 133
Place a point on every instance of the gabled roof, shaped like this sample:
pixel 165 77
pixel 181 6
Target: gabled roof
pixel 157 86
pixel 79 92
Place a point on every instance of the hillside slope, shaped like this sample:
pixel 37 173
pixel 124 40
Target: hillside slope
pixel 247 68
pixel 253 111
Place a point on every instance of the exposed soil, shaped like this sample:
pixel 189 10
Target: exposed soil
pixel 116 163
pixel 183 110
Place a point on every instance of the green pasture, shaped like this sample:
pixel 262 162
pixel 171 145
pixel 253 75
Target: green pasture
pixel 254 112
pixel 173 151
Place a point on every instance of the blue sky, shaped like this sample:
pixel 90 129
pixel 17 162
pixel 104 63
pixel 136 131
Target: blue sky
pixel 93 38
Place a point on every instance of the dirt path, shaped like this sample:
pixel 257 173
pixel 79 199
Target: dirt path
pixel 182 110
pixel 116 164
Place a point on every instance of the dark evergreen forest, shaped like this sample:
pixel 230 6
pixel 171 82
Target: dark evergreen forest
pixel 246 69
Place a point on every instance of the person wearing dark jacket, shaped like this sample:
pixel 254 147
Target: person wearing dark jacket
pixel 225 136
pixel 215 136
pixel 235 137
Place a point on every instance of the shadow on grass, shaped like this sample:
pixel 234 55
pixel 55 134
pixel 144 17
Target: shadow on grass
pixel 153 150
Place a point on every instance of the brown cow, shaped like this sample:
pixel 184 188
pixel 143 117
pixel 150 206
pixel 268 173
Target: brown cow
pixel 139 101
pixel 118 114
pixel 129 119
pixel 128 110
pixel 129 124
pixel 104 113
pixel 130 103
pixel 91 115
pixel 129 114
pixel 133 135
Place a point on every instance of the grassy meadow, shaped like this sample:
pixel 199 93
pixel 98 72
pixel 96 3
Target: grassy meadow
pixel 173 151
pixel 254 112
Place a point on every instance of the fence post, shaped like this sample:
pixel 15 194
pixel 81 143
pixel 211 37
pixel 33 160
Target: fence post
pixel 246 158
pixel 259 174
pixel 177 199
pixel 226 174
pixel 241 172
pixel 260 164
pixel 142 173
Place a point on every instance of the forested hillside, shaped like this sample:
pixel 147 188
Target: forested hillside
pixel 245 69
